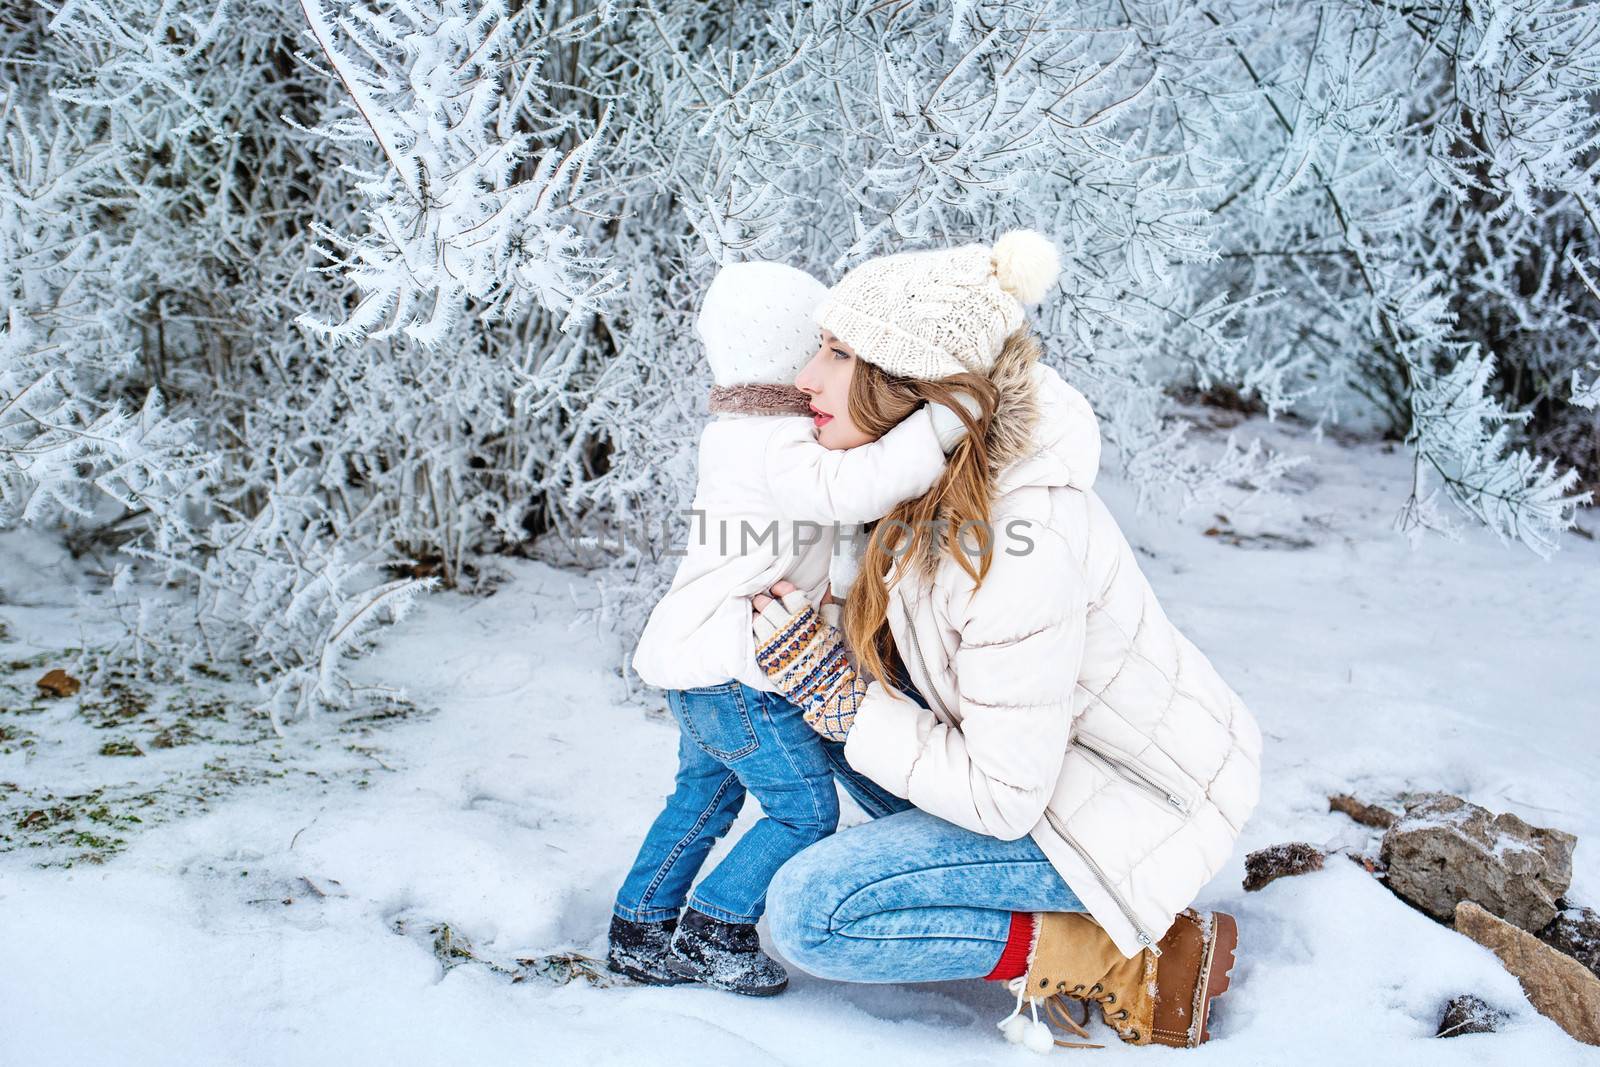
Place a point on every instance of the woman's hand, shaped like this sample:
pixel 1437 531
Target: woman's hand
pixel 804 657
pixel 779 590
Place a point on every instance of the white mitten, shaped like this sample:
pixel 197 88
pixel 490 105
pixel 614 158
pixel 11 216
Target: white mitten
pixel 947 425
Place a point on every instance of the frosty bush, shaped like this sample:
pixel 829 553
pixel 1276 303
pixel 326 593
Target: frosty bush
pixel 67 444
pixel 394 285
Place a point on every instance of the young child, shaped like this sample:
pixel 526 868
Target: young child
pixel 766 502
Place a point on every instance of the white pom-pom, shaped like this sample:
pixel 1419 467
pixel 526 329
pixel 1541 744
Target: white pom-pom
pixel 1037 1037
pixel 1012 1029
pixel 1026 264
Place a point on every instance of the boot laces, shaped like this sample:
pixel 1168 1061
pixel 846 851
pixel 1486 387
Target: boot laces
pixel 1056 1010
pixel 1099 994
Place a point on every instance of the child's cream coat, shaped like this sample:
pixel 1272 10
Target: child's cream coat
pixel 766 502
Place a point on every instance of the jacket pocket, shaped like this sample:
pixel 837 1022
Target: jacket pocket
pixel 717 718
pixel 1173 796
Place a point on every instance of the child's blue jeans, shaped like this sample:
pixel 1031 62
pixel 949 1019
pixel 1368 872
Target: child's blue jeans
pixel 732 740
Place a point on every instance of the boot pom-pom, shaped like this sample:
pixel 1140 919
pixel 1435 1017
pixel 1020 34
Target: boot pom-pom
pixel 1037 1037
pixel 1026 264
pixel 1013 1028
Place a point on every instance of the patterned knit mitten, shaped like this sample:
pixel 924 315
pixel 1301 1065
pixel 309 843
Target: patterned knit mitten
pixel 805 659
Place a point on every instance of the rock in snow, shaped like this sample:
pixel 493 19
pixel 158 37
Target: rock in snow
pixel 1576 931
pixel 1445 850
pixel 1560 987
pixel 1468 1014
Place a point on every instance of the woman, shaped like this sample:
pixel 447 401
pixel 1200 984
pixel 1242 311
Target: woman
pixel 1078 768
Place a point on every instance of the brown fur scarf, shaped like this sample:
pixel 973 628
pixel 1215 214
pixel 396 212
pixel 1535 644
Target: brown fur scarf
pixel 761 399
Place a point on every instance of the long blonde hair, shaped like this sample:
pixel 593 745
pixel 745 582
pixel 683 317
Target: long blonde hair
pixel 958 502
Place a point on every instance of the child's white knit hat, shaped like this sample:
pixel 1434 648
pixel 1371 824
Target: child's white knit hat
pixel 756 323
pixel 933 313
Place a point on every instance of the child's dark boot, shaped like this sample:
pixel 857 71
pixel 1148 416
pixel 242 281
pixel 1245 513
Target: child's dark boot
pixel 725 955
pixel 640 951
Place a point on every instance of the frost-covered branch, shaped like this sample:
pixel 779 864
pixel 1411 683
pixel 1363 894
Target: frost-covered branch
pixel 449 221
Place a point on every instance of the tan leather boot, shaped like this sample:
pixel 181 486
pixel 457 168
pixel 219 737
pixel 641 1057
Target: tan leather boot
pixel 1195 967
pixel 1146 999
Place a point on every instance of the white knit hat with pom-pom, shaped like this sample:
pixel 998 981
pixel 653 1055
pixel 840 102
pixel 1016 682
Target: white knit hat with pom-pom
pixel 933 313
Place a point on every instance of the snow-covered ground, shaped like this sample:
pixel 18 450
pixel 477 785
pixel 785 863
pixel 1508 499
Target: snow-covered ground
pixel 363 892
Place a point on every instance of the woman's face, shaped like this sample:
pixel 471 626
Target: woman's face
pixel 826 380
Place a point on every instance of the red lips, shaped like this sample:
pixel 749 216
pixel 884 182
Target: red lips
pixel 820 418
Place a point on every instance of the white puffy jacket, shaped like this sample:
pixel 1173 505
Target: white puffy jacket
pixel 1065 704
pixel 770 503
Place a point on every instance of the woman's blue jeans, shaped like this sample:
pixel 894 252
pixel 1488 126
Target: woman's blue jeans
pixel 906 897
pixel 732 740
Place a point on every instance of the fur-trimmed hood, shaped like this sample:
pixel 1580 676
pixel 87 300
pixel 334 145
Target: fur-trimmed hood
pixel 1044 432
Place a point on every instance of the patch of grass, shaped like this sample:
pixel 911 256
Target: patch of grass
pixel 1223 531
pixel 563 968
pixel 452 950
pixel 44 818
pixel 103 814
pixel 119 706
pixel 385 713
pixel 191 706
pixel 213 740
pixel 42 659
pixel 179 733
pixel 86 827
pixel 84 839
pixel 207 670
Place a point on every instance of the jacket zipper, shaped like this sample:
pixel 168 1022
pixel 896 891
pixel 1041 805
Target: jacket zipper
pixel 1144 937
pixel 1136 775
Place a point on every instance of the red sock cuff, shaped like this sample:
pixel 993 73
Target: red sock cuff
pixel 1013 961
